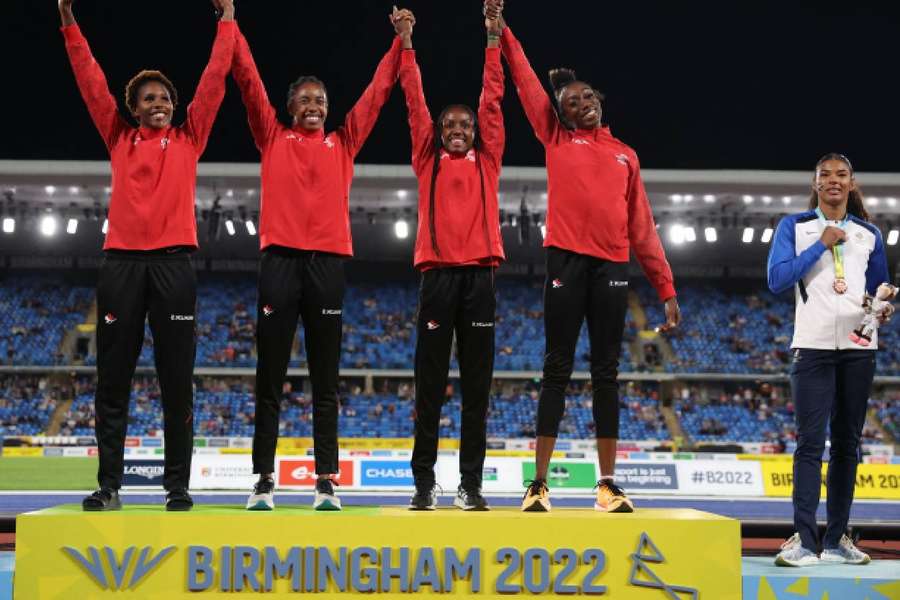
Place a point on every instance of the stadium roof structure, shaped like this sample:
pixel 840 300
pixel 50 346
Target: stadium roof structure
pixel 696 210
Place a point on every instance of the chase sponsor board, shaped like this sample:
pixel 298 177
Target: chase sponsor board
pixel 387 473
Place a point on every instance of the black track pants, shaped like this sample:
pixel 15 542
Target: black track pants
pixel 131 286
pixel 579 287
pixel 459 299
pixel 307 285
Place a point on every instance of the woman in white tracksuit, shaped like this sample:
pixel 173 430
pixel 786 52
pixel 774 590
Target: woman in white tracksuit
pixel 832 256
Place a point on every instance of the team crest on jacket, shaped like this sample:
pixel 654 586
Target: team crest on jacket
pixel 109 318
pixel 432 325
pixel 622 158
pixel 268 310
pixel 328 142
pixel 556 283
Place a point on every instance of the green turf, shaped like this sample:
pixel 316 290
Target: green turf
pixel 47 473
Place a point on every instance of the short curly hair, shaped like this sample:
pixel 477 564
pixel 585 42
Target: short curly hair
pixel 134 86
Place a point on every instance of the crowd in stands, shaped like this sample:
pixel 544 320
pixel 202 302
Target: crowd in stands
pixel 723 331
pixel 224 406
pixel 27 402
pixel 36 311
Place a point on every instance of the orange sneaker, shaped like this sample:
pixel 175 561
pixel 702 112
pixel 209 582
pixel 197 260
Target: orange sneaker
pixel 537 497
pixel 611 498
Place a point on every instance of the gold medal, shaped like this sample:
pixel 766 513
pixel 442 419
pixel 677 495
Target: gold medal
pixel 840 285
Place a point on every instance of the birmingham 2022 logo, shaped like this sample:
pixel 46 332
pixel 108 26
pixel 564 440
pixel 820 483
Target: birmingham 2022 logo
pixel 144 563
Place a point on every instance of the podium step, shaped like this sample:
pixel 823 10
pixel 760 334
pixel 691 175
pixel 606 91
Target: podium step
pixel 878 580
pixel 219 550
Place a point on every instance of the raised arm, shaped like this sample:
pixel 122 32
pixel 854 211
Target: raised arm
pixel 534 99
pixel 260 112
pixel 490 115
pixel 421 127
pixel 90 78
pixel 201 112
pixel 361 119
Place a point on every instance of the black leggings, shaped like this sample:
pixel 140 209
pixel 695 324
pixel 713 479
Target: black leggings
pixel 579 286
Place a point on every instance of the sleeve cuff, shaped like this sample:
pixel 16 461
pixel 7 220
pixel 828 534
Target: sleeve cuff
pixel 408 58
pixel 492 54
pixel 666 291
pixel 819 246
pixel 227 25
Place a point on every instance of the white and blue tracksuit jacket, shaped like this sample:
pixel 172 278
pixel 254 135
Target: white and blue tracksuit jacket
pixel 824 319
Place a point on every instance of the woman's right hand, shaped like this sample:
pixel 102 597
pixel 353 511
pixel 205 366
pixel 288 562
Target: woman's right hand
pixel 493 16
pixel 65 12
pixel 403 21
pixel 833 235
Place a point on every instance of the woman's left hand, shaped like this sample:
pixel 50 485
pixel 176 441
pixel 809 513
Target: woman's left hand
pixel 884 315
pixel 673 316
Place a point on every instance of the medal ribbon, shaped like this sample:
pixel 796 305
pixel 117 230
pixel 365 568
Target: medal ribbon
pixel 837 251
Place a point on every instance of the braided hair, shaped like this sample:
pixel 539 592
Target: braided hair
pixel 855 204
pixel 436 169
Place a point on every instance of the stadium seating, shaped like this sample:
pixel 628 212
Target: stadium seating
pixel 26 405
pixel 224 407
pixel 36 311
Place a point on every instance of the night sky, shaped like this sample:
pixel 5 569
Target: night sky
pixel 756 87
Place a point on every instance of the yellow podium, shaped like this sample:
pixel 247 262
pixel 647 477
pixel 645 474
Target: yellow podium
pixel 221 551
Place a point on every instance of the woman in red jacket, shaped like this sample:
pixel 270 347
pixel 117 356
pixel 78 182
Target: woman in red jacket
pixel 597 210
pixel 457 162
pixel 305 238
pixel 147 269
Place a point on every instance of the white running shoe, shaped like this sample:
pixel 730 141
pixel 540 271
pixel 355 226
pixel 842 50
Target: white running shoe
pixel 846 553
pixel 263 497
pixel 793 554
pixel 325 497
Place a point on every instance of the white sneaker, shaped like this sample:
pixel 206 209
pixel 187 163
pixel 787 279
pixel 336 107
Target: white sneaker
pixel 263 497
pixel 845 553
pixel 325 497
pixel 793 554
